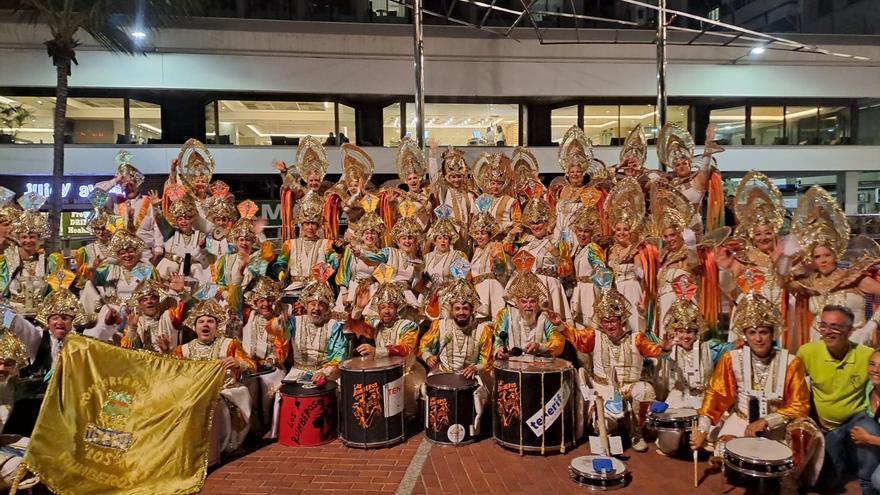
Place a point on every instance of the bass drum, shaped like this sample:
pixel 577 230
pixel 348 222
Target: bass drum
pixel 371 402
pixel 449 414
pixel 308 415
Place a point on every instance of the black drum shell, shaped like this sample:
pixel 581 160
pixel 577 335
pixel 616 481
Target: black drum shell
pixel 357 375
pixel 449 396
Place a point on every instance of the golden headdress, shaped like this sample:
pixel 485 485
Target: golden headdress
pixel 388 292
pixel 525 283
pixel 311 209
pixel 146 288
pixel 371 220
pixel 61 302
pixel 443 225
pixel 575 149
pixel 220 206
pixel 758 203
pixel 684 313
pixel 410 160
pixel 460 290
pixel 525 167
pixel 262 288
pixel 483 220
pixel 11 347
pixel 626 204
pixel 674 142
pixel 244 226
pixel 207 307
pixel 182 207
pixel 97 220
pixel 406 224
pixel 635 146
pixel 754 310
pixel 127 171
pixel 9 211
pixel 819 221
pixel 491 168
pixel 609 303
pixel 311 158
pixel 454 162
pixel 196 162
pixel 318 289
pixel 669 209
pixel 123 239
pixel 30 220
pixel 356 163
pixel 537 210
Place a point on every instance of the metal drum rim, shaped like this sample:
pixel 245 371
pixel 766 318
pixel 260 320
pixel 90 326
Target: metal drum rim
pixel 756 474
pixel 475 384
pixel 528 448
pixel 396 361
pixel 568 367
pixel 780 462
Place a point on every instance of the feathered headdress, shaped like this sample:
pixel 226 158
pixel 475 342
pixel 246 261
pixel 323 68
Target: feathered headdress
pixel 311 158
pixel 318 289
pixel 575 149
pixel 635 146
pixel 625 204
pixel 410 160
pixel 356 163
pixel 388 292
pixel 244 226
pixel 758 203
pixel 196 162
pixel 673 143
pixel 460 290
pixel 819 221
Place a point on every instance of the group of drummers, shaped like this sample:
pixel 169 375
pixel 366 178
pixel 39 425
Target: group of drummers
pixel 469 294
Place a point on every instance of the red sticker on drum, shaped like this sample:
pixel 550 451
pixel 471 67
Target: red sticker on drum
pixel 367 403
pixel 508 402
pixel 438 413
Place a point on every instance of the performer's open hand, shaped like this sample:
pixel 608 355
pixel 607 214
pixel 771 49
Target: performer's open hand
pixel 756 427
pixel 229 362
pixel 174 164
pixel 131 320
pixel 532 348
pixel 470 372
pixel 279 166
pixel 176 283
pixel 112 317
pixel 366 350
pixel 362 296
pixel 553 316
pixel 432 361
pixel 698 439
pixel 163 343
pixel 501 354
pixel 154 197
pixel 668 341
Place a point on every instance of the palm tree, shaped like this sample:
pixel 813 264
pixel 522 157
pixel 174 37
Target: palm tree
pixel 109 22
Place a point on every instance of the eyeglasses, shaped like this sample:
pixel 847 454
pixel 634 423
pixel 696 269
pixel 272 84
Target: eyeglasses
pixel 825 327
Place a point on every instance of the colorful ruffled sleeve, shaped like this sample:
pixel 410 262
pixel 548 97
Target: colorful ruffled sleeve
pixel 335 349
pixel 407 340
pixel 583 339
pixel 430 343
pixel 343 273
pixel 554 342
pixel 720 392
pixel 502 325
pixel 487 336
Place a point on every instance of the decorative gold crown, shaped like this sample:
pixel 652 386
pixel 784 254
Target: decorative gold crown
pixel 318 291
pixel 311 209
pixel 127 171
pixel 525 167
pixel 388 291
pixel 221 208
pixel 494 167
pixel 669 208
pixel 243 227
pixel 527 284
pixel 11 347
pixel 183 207
pixel 818 220
pixel 146 288
pixel 406 226
pixel 454 162
pixel 9 211
pixel 356 163
pixel 410 160
pixel 753 311
pixel 635 145
pixel 98 220
pixel 758 203
pixel 262 288
pixel 537 210
pixel 575 149
pixel 123 239
pixel 483 222
pixel 626 204
pixel 611 304
pixel 31 222
pixel 587 216
pixel 311 158
pixel 196 162
pixel 460 291
pixel 61 302
pixel 684 314
pixel 208 307
pixel 674 142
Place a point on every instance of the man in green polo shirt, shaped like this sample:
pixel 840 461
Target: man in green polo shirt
pixel 838 371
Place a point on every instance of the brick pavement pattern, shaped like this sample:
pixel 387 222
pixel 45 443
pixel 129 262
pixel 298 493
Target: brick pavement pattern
pixel 479 468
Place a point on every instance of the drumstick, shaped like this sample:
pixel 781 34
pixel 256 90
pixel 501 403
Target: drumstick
pixel 603 429
pixel 696 455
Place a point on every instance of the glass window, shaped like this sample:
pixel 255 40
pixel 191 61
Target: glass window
pixel 834 125
pixel 391 125
pixel 146 122
pixel 800 125
pixel 767 125
pixel 210 126
pixel 730 125
pixel 256 122
pixel 346 124
pixel 601 124
pixel 869 123
pixel 677 114
pixel 561 119
pixel 89 120
pixel 26 119
pixel 468 124
pixel 632 115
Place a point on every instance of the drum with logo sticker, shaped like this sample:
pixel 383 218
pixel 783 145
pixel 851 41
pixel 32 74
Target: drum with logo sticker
pixel 371 401
pixel 533 405
pixel 449 408
pixel 308 414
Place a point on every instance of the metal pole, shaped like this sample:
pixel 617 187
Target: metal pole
pixel 419 53
pixel 661 65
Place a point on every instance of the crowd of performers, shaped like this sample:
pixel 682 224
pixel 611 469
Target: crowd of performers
pixel 627 272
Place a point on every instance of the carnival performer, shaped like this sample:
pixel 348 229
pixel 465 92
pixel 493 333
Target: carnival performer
pixel 9 212
pixel 345 197
pixel 552 257
pixel 388 334
pixel 27 265
pixel 248 261
pixel 361 256
pixel 232 413
pixel 750 255
pixel 524 327
pixel 586 256
pixel 459 343
pixel 821 227
pixel 411 169
pixel 632 261
pixel 310 167
pixel 489 263
pixel 618 353
pixel 525 173
pixel 153 318
pixel 193 169
pixel 453 190
pixel 675 151
pixel 405 258
pixel 633 155
pixel 13 357
pixel 222 215
pixel 136 210
pixel 494 176
pixel 442 235
pixel 93 254
pixel 580 166
pixel 300 254
pixel 185 241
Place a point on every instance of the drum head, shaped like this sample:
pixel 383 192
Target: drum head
pixel 450 381
pixel 681 413
pixel 533 365
pixel 762 449
pixel 371 363
pixel 262 370
pixel 583 465
pixel 307 390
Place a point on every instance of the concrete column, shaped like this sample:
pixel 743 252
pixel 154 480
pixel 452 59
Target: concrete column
pixel 850 192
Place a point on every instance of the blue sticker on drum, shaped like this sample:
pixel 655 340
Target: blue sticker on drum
pixel 455 433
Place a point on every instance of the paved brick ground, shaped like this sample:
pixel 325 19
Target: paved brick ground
pixel 479 468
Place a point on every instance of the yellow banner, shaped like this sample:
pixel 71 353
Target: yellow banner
pixel 124 422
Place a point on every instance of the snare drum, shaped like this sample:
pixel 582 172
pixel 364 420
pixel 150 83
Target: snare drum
pixel 674 420
pixel 449 408
pixel 583 473
pixel 371 401
pixel 308 414
pixel 533 405
pixel 758 457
